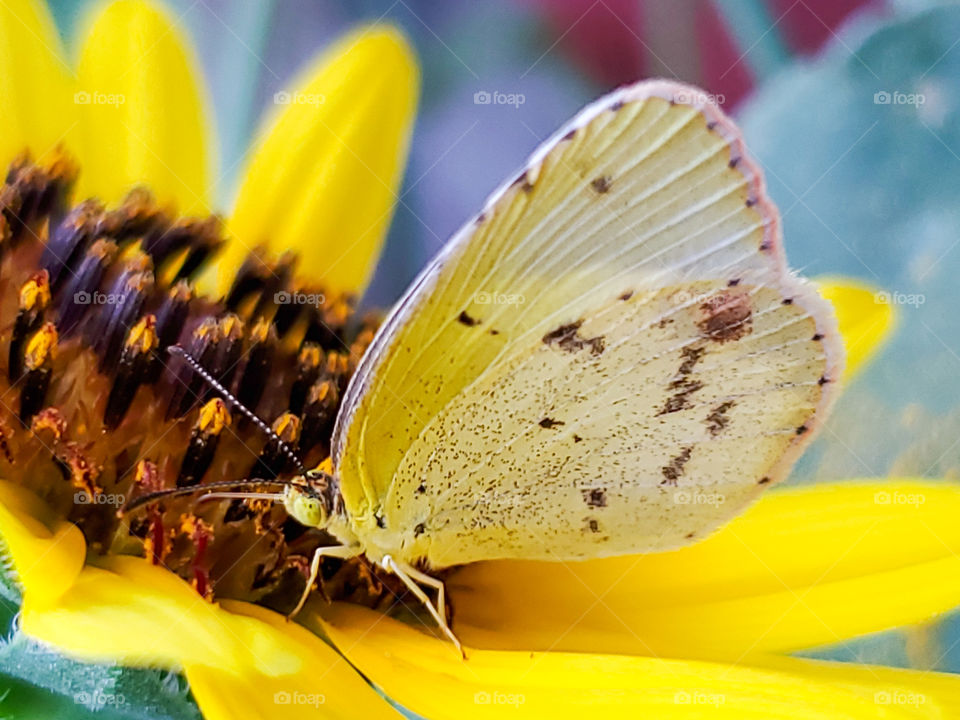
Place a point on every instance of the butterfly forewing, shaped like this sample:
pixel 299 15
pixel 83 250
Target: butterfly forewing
pixel 611 358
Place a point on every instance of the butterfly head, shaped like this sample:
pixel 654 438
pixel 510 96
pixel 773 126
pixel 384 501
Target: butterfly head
pixel 312 498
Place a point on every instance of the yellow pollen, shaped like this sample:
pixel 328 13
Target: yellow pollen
pixel 42 347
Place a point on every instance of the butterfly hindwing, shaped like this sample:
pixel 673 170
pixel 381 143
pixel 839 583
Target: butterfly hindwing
pixel 616 328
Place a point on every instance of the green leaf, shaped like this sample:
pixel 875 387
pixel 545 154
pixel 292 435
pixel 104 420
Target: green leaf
pixel 111 691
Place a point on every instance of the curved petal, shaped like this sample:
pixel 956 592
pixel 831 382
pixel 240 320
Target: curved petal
pixel 46 562
pixel 425 675
pixel 803 567
pixel 165 623
pixel 36 112
pixel 328 687
pixel 325 176
pixel 866 317
pixel 142 111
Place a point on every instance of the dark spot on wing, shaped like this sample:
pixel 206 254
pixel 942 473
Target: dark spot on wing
pixel 765 246
pixel 593 525
pixel 733 162
pixel 567 337
pixel 734 282
pixel 680 400
pixel 381 523
pixel 802 429
pixel 523 180
pixel 481 217
pixel 683 386
pixel 823 380
pixel 718 420
pixel 569 135
pixel 689 535
pixel 626 295
pixel 601 184
pixel 493 331
pixel 674 469
pixel 711 125
pixel 550 423
pixel 617 105
pixel 726 316
pixel 577 438
pixel 465 319
pixel 595 497
pixel 751 202
pixel 421 489
pixel 817 337
pixel 419 530
pixel 763 481
pixel 787 301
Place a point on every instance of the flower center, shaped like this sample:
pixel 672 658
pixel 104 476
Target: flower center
pixel 94 411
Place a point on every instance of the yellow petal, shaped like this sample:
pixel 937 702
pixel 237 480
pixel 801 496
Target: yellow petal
pixel 325 177
pixel 164 623
pixel 803 567
pixel 866 317
pixel 46 562
pixel 425 675
pixel 37 111
pixel 327 687
pixel 142 115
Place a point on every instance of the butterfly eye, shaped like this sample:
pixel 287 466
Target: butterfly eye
pixel 305 510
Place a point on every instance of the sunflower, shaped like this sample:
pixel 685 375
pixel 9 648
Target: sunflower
pixel 108 195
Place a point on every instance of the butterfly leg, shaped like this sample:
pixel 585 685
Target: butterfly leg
pixel 410 577
pixel 338 551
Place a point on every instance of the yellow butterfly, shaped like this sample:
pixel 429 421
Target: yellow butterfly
pixel 611 358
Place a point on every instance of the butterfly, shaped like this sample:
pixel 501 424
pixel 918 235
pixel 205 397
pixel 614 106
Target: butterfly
pixel 611 358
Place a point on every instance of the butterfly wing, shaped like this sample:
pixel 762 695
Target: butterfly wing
pixel 612 357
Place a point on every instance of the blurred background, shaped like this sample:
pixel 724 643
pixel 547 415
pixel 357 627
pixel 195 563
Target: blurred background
pixel 851 106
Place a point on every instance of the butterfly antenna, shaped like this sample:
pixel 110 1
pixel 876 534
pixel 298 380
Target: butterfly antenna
pixel 229 397
pixel 175 492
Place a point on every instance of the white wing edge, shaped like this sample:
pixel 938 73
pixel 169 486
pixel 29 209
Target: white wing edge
pixel 800 291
